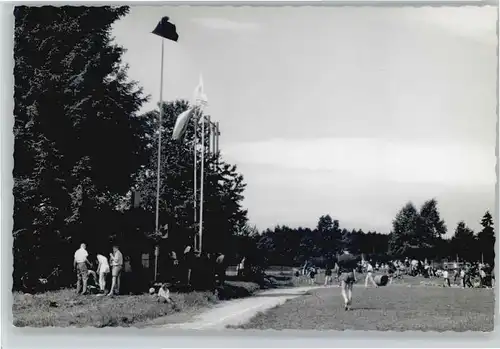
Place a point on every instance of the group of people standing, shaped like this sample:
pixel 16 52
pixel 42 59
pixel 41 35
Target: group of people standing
pixel 466 273
pixel 82 267
pixel 194 267
pixel 463 273
pixel 329 272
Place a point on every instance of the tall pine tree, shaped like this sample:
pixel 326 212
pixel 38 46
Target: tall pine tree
pixel 403 240
pixel 486 238
pixel 431 228
pixel 77 137
pixel 464 243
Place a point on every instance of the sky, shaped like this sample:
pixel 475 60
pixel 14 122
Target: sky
pixel 347 111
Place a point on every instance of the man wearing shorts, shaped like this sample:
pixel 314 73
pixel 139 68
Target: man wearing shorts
pixel 347 266
pixel 116 260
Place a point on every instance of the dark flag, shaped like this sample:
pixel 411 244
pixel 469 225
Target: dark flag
pixel 166 30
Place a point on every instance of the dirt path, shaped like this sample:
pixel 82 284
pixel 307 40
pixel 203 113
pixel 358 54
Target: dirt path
pixel 240 311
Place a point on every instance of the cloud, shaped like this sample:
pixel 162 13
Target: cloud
pixel 280 191
pixel 375 159
pixel 226 24
pixel 276 195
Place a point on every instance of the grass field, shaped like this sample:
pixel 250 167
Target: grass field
pixel 64 308
pixel 405 305
pixel 397 307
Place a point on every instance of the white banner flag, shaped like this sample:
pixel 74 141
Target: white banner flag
pixel 181 123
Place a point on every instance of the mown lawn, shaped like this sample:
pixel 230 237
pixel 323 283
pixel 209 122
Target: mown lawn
pixel 396 307
pixel 64 308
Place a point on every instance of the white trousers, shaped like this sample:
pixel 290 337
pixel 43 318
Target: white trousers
pixel 369 277
pixel 102 279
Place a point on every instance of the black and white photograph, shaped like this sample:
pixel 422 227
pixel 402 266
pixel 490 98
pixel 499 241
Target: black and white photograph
pixel 241 168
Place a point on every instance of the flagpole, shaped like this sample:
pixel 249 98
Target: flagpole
pixel 158 178
pixel 200 234
pixel 165 30
pixel 195 184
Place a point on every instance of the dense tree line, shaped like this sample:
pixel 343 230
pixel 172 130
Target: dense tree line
pixel 293 246
pixel 81 149
pixel 415 234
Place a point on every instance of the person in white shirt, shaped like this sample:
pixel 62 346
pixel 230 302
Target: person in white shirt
pixel 414 265
pixel 369 275
pixel 446 277
pixel 102 271
pixel 482 275
pixel 164 294
pixel 80 263
pixel 116 261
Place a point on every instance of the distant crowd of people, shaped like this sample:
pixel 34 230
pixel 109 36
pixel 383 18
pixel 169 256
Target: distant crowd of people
pixel 463 274
pixel 467 274
pixel 347 267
